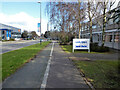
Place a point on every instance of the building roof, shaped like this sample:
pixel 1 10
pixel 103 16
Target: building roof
pixel 3 26
pixel 7 27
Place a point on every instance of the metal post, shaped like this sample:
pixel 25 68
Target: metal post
pixel 40 23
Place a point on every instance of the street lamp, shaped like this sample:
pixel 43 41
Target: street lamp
pixel 40 22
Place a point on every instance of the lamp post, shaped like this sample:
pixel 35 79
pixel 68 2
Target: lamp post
pixel 40 22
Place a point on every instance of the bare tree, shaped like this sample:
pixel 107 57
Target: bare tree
pixel 65 15
pixel 77 13
pixel 92 7
pixel 105 6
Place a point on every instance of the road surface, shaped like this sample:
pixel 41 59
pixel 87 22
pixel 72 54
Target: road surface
pixel 13 45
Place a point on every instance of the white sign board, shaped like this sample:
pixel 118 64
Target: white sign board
pixel 81 44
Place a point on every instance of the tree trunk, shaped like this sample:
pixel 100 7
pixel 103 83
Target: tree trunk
pixel 90 18
pixel 104 25
pixel 79 20
pixel 91 40
pixel 79 29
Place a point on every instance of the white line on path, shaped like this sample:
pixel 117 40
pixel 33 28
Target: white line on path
pixel 44 82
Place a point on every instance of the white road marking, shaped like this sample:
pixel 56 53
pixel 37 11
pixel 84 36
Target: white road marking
pixel 44 82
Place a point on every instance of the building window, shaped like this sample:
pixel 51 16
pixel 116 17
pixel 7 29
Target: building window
pixel 110 40
pixel 117 37
pixel 3 37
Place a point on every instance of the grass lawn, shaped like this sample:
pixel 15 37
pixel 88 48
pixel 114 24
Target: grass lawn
pixel 68 49
pixel 102 74
pixel 0 68
pixel 13 60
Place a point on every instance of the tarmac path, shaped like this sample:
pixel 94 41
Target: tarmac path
pixel 62 72
pixel 50 69
pixel 31 74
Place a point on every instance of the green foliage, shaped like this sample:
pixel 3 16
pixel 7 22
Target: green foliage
pixel 13 60
pixel 8 40
pixel 95 48
pixel 64 40
pixel 47 34
pixel 68 48
pixel 34 35
pixel 24 34
pixel 0 38
pixel 102 74
pixel 12 39
pixel 4 40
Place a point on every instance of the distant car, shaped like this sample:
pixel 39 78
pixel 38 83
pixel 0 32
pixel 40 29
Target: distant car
pixel 17 39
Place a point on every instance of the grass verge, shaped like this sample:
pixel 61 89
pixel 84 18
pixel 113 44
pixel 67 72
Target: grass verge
pixel 68 49
pixel 102 74
pixel 0 61
pixel 13 60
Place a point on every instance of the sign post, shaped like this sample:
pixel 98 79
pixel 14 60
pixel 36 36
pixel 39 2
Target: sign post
pixel 39 30
pixel 81 44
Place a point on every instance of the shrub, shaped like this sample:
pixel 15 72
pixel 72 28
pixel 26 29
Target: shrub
pixel 0 38
pixel 12 39
pixel 96 48
pixel 4 40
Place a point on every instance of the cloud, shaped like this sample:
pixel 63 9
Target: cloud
pixel 24 21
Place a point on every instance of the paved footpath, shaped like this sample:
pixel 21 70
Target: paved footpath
pixel 31 74
pixel 60 72
pixel 97 56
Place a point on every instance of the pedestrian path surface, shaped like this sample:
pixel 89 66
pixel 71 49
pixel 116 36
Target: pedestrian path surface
pixel 61 74
pixel 31 75
pixel 95 56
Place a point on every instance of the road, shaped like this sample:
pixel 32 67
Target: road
pixel 13 45
pixel 50 69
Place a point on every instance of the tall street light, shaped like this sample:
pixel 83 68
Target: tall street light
pixel 40 22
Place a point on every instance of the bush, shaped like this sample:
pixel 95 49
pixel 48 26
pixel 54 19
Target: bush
pixel 62 43
pixel 70 43
pixel 8 40
pixel 66 43
pixel 0 39
pixel 94 47
pixel 12 39
pixel 4 40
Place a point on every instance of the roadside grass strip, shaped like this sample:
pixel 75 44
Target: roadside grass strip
pixel 13 60
pixel 101 74
pixel 0 68
pixel 68 49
